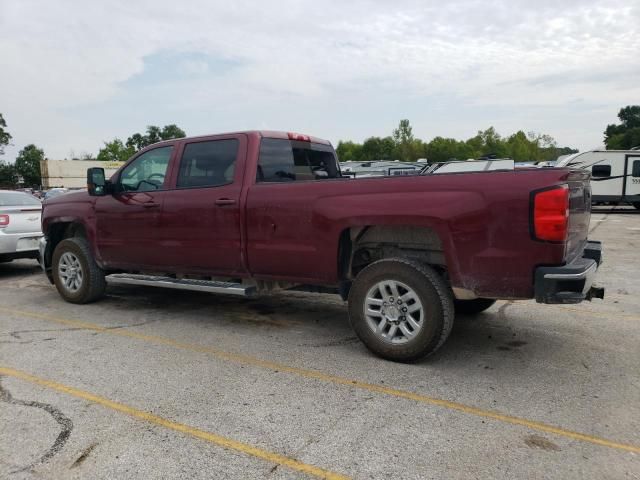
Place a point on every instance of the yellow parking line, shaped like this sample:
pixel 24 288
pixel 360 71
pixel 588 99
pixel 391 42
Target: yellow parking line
pixel 178 427
pixel 247 360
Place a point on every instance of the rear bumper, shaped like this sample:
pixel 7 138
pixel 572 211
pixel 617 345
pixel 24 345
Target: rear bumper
pixel 19 245
pixel 571 283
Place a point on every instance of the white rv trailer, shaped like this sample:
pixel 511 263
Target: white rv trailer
pixel 468 166
pixel 615 174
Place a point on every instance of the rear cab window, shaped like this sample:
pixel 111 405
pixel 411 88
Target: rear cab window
pixel 284 160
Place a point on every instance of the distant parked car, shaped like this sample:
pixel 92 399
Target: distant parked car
pixel 20 229
pixel 54 192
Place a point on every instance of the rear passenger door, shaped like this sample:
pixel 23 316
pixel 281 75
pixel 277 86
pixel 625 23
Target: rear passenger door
pixel 201 214
pixel 285 238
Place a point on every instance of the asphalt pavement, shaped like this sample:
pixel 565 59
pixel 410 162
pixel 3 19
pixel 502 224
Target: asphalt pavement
pixel 154 383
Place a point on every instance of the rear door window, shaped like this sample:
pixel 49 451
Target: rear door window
pixel 208 164
pixel 289 161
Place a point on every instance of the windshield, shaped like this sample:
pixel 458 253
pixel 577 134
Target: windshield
pixel 17 199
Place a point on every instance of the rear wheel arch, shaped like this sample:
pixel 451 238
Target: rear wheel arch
pixel 362 245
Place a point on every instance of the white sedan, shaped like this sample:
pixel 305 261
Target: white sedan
pixel 20 228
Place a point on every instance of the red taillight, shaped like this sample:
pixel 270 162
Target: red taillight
pixel 551 214
pixel 4 220
pixel 299 137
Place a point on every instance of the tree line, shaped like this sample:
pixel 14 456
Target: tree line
pixel 400 145
pixel 626 134
pixel 26 169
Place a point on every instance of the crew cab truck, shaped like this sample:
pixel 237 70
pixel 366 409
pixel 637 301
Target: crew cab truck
pixel 250 212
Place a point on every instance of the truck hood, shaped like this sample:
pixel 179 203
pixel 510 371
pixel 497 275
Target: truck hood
pixel 70 197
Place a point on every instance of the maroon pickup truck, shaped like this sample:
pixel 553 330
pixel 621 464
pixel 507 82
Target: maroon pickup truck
pixel 251 212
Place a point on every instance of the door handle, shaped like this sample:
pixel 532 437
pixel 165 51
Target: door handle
pixel 225 201
pixel 150 205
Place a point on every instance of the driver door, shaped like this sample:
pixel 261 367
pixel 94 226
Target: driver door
pixel 128 222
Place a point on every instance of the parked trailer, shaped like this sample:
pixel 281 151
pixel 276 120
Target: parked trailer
pixel 615 174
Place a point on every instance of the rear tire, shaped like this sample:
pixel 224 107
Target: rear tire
pixel 401 309
pixel 471 307
pixel 76 275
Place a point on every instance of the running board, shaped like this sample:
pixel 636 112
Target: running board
pixel 181 284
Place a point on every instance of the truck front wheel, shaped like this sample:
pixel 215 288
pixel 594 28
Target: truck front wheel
pixel 401 309
pixel 77 277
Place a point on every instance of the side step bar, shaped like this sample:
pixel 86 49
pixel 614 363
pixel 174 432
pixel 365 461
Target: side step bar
pixel 181 284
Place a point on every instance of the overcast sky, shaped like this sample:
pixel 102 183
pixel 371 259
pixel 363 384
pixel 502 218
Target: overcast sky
pixel 76 73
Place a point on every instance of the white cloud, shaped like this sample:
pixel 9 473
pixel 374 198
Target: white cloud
pixel 342 69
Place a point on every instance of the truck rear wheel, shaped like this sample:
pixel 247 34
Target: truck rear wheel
pixel 76 275
pixel 400 309
pixel 471 307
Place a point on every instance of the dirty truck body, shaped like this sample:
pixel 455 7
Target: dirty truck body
pixel 248 212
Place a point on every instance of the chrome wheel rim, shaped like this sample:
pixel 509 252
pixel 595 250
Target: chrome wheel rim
pixel 70 272
pixel 393 311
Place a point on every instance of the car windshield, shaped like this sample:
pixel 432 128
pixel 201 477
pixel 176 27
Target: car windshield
pixel 19 199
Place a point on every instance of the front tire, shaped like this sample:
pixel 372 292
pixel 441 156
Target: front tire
pixel 76 275
pixel 401 309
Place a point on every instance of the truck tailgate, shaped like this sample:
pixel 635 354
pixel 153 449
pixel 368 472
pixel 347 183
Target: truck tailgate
pixel 579 213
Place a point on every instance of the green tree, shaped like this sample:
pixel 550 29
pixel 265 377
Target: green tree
pixel 376 148
pixel 28 165
pixel 154 134
pixel 407 148
pixel 349 151
pixel 625 135
pixel 115 151
pixel 7 175
pixel 441 149
pixel 520 147
pixel 492 143
pixel 5 137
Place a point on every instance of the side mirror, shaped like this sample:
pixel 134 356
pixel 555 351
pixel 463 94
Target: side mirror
pixel 96 182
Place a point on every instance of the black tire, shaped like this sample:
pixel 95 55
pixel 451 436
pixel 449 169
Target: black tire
pixel 92 286
pixel 471 307
pixel 427 285
pixel 636 205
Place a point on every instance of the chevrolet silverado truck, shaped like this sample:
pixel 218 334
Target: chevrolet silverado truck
pixel 252 212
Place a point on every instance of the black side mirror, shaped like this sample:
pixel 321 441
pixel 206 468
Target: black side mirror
pixel 96 182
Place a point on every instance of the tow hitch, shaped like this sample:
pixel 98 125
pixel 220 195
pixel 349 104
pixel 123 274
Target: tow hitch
pixel 595 292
